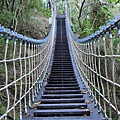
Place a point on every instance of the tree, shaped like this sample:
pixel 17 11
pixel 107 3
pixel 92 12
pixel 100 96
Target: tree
pixel 13 12
pixel 90 14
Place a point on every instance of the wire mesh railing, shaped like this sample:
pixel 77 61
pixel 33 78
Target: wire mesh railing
pixel 97 58
pixel 23 65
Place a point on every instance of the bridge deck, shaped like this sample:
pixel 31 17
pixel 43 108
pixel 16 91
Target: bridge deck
pixel 62 97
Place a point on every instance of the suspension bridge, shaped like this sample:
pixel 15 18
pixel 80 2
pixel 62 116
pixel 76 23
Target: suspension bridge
pixel 61 77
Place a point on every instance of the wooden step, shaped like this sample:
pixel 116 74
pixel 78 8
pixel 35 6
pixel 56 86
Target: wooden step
pixel 62 85
pixel 60 82
pixel 64 112
pixel 64 118
pixel 62 92
pixel 62 88
pixel 61 96
pixel 54 101
pixel 63 106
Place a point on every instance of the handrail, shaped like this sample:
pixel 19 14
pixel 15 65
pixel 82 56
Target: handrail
pixel 97 58
pixel 23 65
pixel 110 26
pixel 9 33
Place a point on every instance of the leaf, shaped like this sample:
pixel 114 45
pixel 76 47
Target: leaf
pixel 33 106
pixel 87 102
pixel 28 114
pixel 37 103
pixel 83 91
pixel 116 41
pixel 91 111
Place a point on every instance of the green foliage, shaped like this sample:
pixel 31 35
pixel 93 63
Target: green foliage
pixel 46 13
pixel 36 4
pixel 32 5
pixel 94 14
pixel 101 14
pixel 2 42
pixel 61 8
pixel 105 10
pixel 3 109
pixel 117 59
pixel 114 1
pixel 21 12
pixel 6 18
pixel 87 30
pixel 116 42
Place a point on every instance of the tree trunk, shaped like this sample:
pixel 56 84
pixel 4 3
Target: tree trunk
pixel 7 5
pixel 80 13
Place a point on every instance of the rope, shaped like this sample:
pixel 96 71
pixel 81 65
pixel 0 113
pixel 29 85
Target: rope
pixel 96 57
pixel 25 61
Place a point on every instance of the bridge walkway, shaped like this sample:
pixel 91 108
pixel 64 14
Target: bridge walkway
pixel 64 95
pixel 61 77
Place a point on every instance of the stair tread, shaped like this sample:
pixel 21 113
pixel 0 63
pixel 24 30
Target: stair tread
pixel 64 95
pixel 59 97
pixel 72 81
pixel 60 70
pixel 49 81
pixel 65 65
pixel 68 71
pixel 61 79
pixel 62 118
pixel 58 76
pixel 60 67
pixel 62 88
pixel 61 106
pixel 63 100
pixel 64 81
pixel 61 91
pixel 62 112
pixel 64 84
pixel 61 85
pixel 62 61
pixel 65 104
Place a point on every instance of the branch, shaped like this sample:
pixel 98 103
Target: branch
pixel 94 22
pixel 85 14
pixel 7 5
pixel 77 5
pixel 92 3
pixel 80 13
pixel 13 5
pixel 17 13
